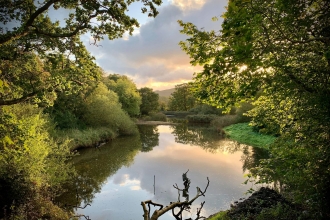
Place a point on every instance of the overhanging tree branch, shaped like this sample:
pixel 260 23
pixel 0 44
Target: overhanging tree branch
pixel 25 30
pixel 18 100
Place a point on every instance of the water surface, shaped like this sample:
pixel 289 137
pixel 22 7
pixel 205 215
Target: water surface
pixel 117 177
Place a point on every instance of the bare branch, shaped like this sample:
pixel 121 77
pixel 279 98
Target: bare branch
pixel 184 206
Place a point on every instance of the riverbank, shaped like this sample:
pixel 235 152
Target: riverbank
pixel 141 122
pixel 84 138
pixel 263 204
pixel 244 134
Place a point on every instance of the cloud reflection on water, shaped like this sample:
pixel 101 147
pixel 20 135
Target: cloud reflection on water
pixel 121 196
pixel 170 159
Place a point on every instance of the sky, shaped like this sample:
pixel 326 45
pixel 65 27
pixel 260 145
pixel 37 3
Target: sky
pixel 151 57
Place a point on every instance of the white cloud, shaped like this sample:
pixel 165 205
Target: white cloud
pixel 188 4
pixel 152 56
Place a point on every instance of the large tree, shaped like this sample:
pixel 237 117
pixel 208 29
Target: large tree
pixel 276 52
pixel 126 90
pixel 150 100
pixel 182 99
pixel 29 37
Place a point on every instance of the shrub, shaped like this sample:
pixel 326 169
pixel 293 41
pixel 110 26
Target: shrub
pixel 220 122
pixel 200 118
pixel 241 112
pixel 84 138
pixel 156 117
pixel 282 211
pixel 178 113
pixel 219 216
pixel 205 109
pixel 104 110
pixel 32 165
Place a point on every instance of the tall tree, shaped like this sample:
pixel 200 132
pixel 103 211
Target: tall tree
pixel 281 49
pixel 182 98
pixel 126 90
pixel 149 100
pixel 55 42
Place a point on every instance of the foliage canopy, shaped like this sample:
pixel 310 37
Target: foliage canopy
pixel 150 100
pixel 30 31
pixel 127 92
pixel 182 99
pixel 275 52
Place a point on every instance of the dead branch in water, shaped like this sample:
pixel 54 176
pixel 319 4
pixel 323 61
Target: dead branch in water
pixel 183 206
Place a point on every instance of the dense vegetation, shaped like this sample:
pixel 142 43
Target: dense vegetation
pixel 276 55
pixel 150 101
pixel 50 86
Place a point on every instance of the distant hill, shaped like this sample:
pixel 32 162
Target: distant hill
pixel 165 93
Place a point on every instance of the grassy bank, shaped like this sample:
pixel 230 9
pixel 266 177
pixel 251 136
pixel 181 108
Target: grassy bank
pixel 219 216
pixel 89 137
pixel 244 134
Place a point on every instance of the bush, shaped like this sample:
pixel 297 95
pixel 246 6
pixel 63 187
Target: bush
pixel 200 118
pixel 104 110
pixel 206 110
pixel 32 165
pixel 240 112
pixel 220 122
pixel 282 211
pixel 181 114
pixel 219 216
pixel 84 138
pixel 156 117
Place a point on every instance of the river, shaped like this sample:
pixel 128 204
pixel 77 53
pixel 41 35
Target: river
pixel 115 178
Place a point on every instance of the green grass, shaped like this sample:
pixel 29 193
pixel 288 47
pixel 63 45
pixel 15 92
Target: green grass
pixel 244 134
pixel 84 138
pixel 219 216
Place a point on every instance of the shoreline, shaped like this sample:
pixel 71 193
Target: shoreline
pixel 155 123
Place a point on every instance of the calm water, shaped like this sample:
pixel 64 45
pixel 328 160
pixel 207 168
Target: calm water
pixel 117 177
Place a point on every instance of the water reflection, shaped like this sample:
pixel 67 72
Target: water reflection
pixel 149 137
pixel 200 135
pixel 118 177
pixel 94 166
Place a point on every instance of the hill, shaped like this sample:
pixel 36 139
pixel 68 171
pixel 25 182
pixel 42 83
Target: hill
pixel 164 93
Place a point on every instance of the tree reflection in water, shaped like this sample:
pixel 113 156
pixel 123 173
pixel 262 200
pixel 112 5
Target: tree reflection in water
pixel 95 166
pixel 210 140
pixel 149 137
pixel 200 135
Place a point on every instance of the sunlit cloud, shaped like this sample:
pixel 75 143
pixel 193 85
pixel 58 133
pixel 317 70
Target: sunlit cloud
pixel 135 188
pixel 125 181
pixel 151 57
pixel 188 4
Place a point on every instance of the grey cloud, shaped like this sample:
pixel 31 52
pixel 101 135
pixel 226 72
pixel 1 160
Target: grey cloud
pixel 154 53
